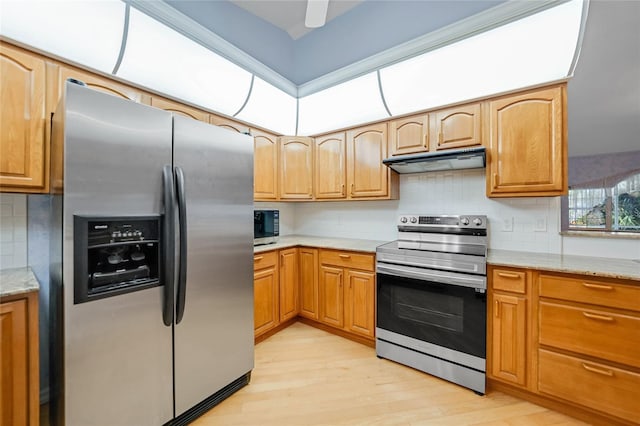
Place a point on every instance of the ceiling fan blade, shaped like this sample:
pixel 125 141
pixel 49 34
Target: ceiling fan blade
pixel 316 13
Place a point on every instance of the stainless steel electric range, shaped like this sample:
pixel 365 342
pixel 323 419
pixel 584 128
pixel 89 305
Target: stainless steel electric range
pixel 431 297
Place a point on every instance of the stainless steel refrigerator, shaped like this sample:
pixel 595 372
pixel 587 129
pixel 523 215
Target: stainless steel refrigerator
pixel 151 270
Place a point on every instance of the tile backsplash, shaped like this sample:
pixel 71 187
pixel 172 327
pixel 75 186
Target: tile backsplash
pixel 13 230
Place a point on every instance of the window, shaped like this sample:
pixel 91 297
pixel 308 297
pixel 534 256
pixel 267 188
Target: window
pixel 615 208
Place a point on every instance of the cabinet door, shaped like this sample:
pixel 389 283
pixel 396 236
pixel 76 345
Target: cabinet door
pixel 265 163
pixel 14 362
pixel 23 153
pixel 527 144
pixel 228 124
pixel 265 299
pixel 99 83
pixel 296 168
pixel 308 282
pixel 331 296
pixel 360 303
pixel 409 135
pixel 180 109
pixel 457 127
pixel 330 166
pixel 288 284
pixel 509 331
pixel 366 175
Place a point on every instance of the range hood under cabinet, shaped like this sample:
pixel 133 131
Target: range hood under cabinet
pixel 468 158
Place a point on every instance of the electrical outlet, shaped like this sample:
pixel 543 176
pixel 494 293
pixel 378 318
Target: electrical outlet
pixel 507 224
pixel 540 225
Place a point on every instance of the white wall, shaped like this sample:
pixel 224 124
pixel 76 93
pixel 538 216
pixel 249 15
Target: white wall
pixel 13 230
pixel 535 221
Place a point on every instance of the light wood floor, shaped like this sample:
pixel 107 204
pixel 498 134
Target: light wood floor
pixel 305 376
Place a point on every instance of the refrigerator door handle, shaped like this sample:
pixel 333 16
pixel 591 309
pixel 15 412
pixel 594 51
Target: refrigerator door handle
pixel 182 264
pixel 168 244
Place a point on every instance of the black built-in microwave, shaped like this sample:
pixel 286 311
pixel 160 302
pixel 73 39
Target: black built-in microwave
pixel 266 226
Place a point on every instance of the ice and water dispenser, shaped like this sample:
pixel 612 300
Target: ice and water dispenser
pixel 115 255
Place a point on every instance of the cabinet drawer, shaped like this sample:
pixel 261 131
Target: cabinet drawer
pixel 509 280
pixel 611 390
pixel 347 259
pixel 597 292
pixel 595 332
pixel 264 260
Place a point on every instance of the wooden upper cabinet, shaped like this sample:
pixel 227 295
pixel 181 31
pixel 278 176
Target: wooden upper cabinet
pixel 330 166
pixel 265 166
pixel 409 135
pixel 23 148
pixel 179 109
pixel 97 82
pixel 527 144
pixel 296 167
pixel 228 124
pixel 367 177
pixel 457 127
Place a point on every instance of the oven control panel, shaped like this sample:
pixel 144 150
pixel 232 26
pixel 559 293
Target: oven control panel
pixel 448 221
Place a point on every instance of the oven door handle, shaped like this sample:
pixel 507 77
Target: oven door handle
pixel 434 276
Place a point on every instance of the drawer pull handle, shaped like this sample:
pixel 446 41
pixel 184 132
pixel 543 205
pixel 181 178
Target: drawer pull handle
pixel 508 275
pixel 597 286
pixel 597 317
pixel 603 371
pixel 345 256
pixel 257 258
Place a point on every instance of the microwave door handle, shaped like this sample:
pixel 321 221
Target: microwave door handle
pixel 182 264
pixel 435 276
pixel 168 244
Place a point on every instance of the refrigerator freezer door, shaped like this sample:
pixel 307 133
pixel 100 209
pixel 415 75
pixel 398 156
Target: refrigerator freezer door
pixel 117 352
pixel 214 339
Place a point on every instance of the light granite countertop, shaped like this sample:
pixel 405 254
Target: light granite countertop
pixel 595 266
pixel 367 246
pixel 16 281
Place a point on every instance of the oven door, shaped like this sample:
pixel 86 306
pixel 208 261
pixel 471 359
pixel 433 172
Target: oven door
pixel 421 304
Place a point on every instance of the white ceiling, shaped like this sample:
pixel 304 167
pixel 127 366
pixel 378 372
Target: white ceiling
pixel 288 15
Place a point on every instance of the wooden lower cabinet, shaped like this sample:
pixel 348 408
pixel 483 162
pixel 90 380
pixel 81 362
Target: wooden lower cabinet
pixel 288 284
pixel 347 294
pixel 508 325
pixel 19 373
pixel 331 296
pixel 359 303
pixel 309 277
pixel 567 341
pixel 509 338
pixel 266 290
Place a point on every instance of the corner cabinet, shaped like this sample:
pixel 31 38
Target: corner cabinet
pixel 19 374
pixel 288 284
pixel 24 155
pixel 99 83
pixel 527 144
pixel 309 274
